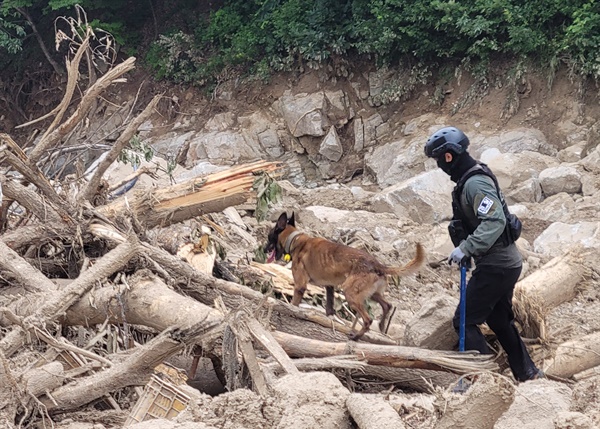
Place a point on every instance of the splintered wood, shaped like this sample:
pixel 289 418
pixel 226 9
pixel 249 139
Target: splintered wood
pixel 192 198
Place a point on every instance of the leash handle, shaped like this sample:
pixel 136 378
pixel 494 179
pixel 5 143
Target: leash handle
pixel 462 306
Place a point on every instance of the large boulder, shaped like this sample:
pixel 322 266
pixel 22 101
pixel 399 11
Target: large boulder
pixel 556 208
pixel 513 169
pixel 512 141
pixel 331 147
pixel 258 127
pixel 304 113
pixel 425 198
pixel 431 327
pixel 559 237
pixel 222 147
pixel 530 191
pixel 321 405
pixel 591 162
pixel 394 162
pixel 560 179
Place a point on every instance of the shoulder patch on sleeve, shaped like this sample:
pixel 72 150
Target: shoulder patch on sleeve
pixel 485 205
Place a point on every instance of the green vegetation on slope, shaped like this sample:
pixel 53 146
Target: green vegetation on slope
pixel 188 41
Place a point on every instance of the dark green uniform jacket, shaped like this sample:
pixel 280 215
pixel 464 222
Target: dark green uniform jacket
pixel 481 205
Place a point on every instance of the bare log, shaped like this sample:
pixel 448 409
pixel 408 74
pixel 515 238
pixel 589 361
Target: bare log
pixel 543 290
pixel 588 373
pixel 45 378
pixel 244 342
pixel 146 300
pixel 25 275
pixel 391 356
pixel 83 108
pixel 189 199
pixel 267 340
pixel 420 380
pixel 32 234
pixel 31 201
pixel 15 156
pixel 373 412
pixel 575 356
pixel 9 390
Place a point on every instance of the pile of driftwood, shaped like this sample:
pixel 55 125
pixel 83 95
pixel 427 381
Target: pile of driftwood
pixel 129 282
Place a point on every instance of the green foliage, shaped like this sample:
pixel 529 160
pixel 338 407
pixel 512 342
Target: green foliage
pixel 195 44
pixel 131 155
pixel 582 39
pixel 267 192
pixel 261 36
pixel 11 35
pixel 260 255
pixel 177 57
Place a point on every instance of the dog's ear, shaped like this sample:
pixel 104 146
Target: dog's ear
pixel 281 222
pixel 292 220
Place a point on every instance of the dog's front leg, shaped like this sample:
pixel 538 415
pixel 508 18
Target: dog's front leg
pixel 329 310
pixel 300 282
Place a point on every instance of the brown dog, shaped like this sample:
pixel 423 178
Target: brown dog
pixel 325 263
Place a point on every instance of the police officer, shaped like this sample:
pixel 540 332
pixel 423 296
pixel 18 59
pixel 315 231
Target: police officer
pixel 481 233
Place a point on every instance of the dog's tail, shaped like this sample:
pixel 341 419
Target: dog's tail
pixel 412 266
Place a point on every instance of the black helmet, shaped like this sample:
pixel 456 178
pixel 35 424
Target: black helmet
pixel 448 139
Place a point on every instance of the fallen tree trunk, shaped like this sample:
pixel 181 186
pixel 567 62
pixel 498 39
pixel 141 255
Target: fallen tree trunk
pixel 31 235
pixel 575 356
pixel 358 372
pixel 145 300
pixel 44 379
pixel 588 373
pixel 372 412
pixel 12 154
pixel 9 391
pixel 389 356
pixel 26 276
pixel 189 199
pixel 537 294
pixel 32 201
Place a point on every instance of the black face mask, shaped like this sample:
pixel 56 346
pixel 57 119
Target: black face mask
pixel 445 166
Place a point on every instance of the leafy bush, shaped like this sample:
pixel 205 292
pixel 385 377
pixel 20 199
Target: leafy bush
pixel 266 35
pixel 176 56
pixel 260 36
pixel 582 39
pixel 10 36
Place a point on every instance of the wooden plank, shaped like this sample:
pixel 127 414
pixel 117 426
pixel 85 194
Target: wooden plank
pixel 264 337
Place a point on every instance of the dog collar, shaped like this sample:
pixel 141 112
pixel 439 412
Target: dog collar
pixel 288 242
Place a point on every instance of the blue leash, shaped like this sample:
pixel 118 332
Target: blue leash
pixel 463 306
pixel 462 387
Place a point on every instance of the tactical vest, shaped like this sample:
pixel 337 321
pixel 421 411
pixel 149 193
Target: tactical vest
pixel 460 227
